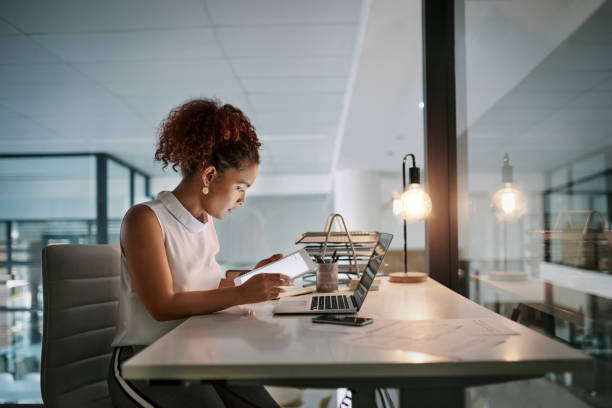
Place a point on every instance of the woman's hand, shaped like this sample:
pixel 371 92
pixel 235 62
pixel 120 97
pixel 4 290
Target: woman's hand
pixel 266 261
pixel 262 287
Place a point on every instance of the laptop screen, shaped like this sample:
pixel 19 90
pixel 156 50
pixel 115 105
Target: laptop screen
pixel 369 273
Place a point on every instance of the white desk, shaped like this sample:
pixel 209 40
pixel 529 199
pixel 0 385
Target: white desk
pixel 256 347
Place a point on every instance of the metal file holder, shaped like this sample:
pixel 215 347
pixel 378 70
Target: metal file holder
pixel 328 226
pixel 344 241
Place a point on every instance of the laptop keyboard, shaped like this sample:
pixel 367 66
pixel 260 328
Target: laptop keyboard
pixel 333 302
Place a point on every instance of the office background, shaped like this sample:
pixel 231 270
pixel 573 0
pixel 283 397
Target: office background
pixel 338 91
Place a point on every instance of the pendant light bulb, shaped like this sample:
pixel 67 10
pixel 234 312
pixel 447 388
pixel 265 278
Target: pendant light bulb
pixel 508 203
pixel 415 203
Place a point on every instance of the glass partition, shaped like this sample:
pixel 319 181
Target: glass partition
pixel 52 201
pixel 535 178
pixel 118 198
pixel 140 189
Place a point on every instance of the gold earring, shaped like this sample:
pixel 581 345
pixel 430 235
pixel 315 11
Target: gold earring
pixel 205 190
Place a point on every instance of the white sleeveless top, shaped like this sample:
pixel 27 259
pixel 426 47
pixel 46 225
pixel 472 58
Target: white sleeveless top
pixel 191 247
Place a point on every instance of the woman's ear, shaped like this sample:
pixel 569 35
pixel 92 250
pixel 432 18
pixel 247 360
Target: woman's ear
pixel 209 175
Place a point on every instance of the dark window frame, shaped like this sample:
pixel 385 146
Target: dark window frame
pixel 439 92
pixel 101 177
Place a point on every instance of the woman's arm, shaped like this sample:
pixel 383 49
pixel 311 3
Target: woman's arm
pixel 230 275
pixel 141 239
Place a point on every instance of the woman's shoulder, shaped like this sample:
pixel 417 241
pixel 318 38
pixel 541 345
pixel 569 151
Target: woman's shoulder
pixel 140 214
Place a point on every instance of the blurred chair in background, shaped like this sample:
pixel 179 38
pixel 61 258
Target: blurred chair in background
pixel 81 293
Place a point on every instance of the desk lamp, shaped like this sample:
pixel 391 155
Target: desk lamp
pixel 412 205
pixel 508 204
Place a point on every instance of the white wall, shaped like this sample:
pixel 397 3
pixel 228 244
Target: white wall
pixel 365 200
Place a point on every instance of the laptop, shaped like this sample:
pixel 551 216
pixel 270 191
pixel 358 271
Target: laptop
pixel 339 302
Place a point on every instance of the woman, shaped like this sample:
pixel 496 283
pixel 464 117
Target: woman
pixel 168 249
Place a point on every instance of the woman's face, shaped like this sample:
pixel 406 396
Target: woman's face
pixel 229 191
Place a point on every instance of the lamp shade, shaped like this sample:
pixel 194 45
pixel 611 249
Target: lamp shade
pixel 413 205
pixel 508 203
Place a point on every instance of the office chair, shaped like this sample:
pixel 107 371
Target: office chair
pixel 81 292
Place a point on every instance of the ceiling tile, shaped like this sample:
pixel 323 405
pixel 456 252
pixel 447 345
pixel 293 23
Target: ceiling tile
pixel 571 114
pixel 157 108
pixel 331 40
pixel 606 86
pixel 582 57
pixel 66 101
pixel 292 66
pixel 157 71
pixel 523 159
pixel 94 126
pixel 60 90
pixel 7 29
pixel 593 100
pixel 499 116
pixel 509 121
pixel 568 135
pixel 179 88
pixel 287 124
pixel 291 121
pixel 295 85
pixel 16 127
pixel 35 17
pixel 262 12
pixel 132 46
pixel 101 77
pixel 596 30
pixel 38 73
pixel 561 81
pixel 49 144
pixel 19 49
pixel 264 102
pixel 539 99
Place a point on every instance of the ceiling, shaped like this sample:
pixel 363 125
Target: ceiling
pixel 329 84
pixel 539 83
pixel 383 117
pixel 100 76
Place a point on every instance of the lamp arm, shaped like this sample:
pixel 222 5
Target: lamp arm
pixel 404 183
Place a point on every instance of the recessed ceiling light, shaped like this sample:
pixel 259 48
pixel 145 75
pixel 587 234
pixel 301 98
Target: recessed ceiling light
pixel 421 105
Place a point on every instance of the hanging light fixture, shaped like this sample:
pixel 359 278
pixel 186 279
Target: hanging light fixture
pixel 508 203
pixel 412 205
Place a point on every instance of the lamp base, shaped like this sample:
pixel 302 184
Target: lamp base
pixel 508 276
pixel 408 277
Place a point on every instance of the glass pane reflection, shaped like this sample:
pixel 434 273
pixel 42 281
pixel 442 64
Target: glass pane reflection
pixel 538 87
pixel 52 202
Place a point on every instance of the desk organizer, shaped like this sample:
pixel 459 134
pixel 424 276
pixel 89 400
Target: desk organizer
pixel 353 248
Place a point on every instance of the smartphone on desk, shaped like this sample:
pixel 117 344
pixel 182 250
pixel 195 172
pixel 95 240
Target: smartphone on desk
pixel 342 319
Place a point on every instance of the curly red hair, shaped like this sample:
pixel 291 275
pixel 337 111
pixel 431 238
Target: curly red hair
pixel 203 132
